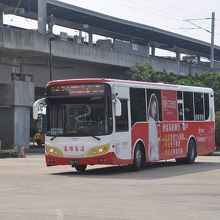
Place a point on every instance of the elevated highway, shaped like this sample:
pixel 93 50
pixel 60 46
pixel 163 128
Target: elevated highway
pixel 25 55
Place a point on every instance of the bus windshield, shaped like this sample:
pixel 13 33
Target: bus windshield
pixel 79 116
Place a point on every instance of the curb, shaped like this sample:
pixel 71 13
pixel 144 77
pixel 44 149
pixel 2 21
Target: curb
pixel 216 153
pixel 34 152
pixel 4 155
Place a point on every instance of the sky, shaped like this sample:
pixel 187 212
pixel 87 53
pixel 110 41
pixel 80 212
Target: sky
pixel 170 15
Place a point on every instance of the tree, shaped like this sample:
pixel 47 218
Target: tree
pixel 145 72
pixel 142 72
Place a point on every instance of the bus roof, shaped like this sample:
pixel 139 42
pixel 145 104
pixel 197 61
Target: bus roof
pixel 130 83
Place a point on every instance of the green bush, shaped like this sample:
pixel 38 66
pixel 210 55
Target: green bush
pixel 14 153
pixel 217 130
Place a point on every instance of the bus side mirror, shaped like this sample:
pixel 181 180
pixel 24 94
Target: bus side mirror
pixel 117 107
pixel 39 104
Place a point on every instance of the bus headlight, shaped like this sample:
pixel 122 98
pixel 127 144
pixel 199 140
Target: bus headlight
pixel 100 150
pixel 53 151
pixel 103 149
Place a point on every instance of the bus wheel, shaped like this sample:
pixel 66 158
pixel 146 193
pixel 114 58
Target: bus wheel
pixel 191 155
pixel 80 168
pixel 138 161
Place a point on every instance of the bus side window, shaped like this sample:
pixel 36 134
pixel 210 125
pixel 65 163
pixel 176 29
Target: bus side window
pixel 199 106
pixel 206 104
pixel 188 106
pixel 138 105
pixel 122 121
pixel 180 105
pixel 180 110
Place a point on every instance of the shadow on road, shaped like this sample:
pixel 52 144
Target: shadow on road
pixel 150 171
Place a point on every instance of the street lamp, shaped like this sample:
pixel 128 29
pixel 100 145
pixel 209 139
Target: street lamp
pixel 51 38
pixel 212 40
pixel 50 60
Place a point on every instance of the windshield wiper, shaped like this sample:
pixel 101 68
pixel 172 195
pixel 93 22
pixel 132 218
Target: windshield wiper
pixel 53 137
pixel 87 134
pixel 97 138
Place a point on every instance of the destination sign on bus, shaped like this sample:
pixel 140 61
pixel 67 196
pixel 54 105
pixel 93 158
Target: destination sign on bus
pixel 74 90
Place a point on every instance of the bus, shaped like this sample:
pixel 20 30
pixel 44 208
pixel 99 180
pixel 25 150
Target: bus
pixel 100 121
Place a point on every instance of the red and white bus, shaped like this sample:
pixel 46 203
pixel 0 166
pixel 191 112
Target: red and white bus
pixel 110 121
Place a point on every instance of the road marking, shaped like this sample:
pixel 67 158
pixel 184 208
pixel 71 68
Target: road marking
pixel 53 212
pixel 59 214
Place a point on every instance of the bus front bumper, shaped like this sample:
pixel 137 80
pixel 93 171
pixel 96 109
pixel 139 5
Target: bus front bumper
pixel 108 159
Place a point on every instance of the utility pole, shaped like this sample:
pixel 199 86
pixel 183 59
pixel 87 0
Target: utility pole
pixel 1 18
pixel 212 32
pixel 212 40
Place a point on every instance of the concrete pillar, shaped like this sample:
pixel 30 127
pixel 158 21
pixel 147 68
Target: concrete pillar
pixel 178 56
pixel 6 116
pixel 21 126
pixel 148 49
pixel 1 18
pixel 198 59
pixel 90 38
pixel 42 16
pixel 152 51
pixel 15 105
pixel 23 99
pixel 178 62
pixel 80 34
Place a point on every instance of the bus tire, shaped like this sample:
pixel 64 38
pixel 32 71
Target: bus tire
pixel 80 168
pixel 138 160
pixel 191 155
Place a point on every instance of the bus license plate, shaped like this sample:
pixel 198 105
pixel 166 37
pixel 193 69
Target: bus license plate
pixel 74 162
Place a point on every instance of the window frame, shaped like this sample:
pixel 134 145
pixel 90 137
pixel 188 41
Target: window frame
pixel 117 118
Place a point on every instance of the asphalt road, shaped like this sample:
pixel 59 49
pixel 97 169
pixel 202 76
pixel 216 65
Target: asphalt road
pixel 31 191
